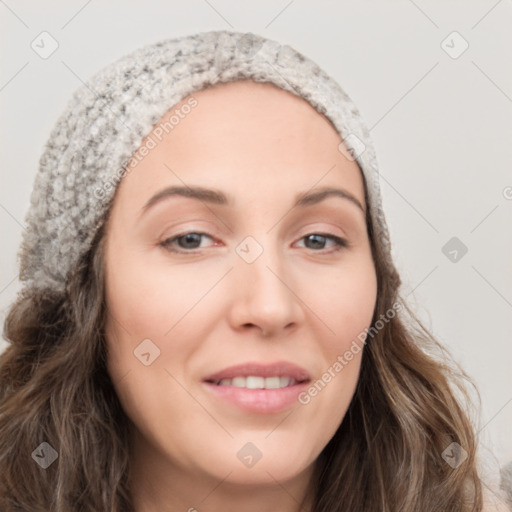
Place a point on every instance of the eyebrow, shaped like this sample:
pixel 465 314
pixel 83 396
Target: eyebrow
pixel 217 197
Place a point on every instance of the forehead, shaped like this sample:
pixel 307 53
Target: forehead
pixel 260 107
pixel 253 136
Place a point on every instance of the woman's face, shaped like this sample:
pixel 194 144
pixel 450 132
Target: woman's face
pixel 259 281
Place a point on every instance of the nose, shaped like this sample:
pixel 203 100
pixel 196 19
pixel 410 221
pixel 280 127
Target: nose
pixel 265 298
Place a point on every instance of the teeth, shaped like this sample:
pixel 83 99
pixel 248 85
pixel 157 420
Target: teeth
pixel 255 382
pixel 285 381
pixel 273 382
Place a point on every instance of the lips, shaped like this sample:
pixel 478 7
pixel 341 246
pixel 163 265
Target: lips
pixel 277 369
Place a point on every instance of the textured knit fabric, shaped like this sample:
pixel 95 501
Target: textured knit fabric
pixel 106 120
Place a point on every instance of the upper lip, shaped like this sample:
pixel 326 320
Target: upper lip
pixel 277 369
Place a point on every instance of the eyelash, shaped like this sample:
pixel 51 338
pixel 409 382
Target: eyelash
pixel 166 244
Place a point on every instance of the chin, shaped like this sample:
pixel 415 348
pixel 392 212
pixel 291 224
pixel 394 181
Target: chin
pixel 241 463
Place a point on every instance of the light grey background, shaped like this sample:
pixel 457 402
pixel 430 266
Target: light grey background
pixel 442 127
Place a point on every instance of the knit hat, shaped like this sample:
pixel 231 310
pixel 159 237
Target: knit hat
pixel 107 119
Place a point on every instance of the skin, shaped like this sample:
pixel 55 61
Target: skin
pixel 209 309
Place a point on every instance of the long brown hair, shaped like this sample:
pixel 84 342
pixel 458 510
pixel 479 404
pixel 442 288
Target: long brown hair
pixel 386 456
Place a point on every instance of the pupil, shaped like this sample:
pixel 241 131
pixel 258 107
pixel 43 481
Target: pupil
pixel 317 239
pixel 190 237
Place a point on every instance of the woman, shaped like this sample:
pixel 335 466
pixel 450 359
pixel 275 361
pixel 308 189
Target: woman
pixel 211 317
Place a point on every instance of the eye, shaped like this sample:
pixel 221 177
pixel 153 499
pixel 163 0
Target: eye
pixel 184 241
pixel 318 240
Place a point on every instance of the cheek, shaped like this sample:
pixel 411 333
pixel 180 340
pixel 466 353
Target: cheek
pixel 149 299
pixel 160 303
pixel 348 313
pixel 345 301
pixel 147 355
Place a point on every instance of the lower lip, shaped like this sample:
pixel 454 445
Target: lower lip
pixel 262 401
